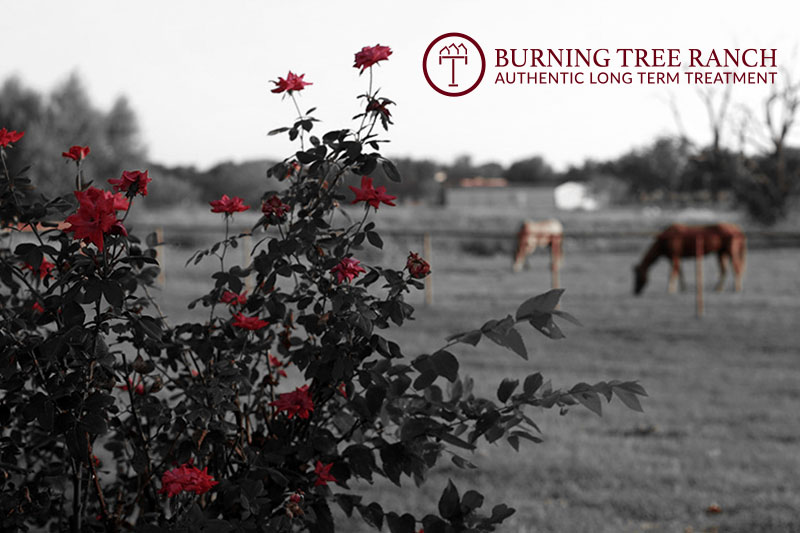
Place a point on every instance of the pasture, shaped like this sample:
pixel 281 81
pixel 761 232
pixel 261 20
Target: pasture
pixel 722 422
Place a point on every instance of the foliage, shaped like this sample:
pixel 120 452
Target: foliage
pixel 534 170
pixel 260 414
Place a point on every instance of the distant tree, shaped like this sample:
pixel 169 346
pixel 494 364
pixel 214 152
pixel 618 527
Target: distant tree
pixel 490 170
pixel 584 172
pixel 245 180
pixel 67 117
pixel 417 184
pixel 122 133
pixel 658 167
pixel 461 168
pixel 533 170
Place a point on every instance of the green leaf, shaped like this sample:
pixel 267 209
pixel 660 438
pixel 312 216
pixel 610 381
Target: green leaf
pixel 532 383
pixel 455 441
pixel 401 524
pixel 372 514
pixel 506 389
pixel 462 463
pixel 449 502
pixel 568 317
pixel 95 423
pixel 391 171
pixel 113 293
pixel 501 512
pixel 590 400
pixel 375 239
pixel 445 364
pixel 629 399
pixel 514 342
pixel 472 500
pixel 543 303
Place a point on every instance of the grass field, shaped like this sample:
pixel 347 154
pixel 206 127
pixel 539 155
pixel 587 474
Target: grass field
pixel 721 425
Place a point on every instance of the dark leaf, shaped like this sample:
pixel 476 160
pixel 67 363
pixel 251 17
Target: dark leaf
pixel 391 171
pixel 532 383
pixel 506 389
pixel 543 303
pixel 449 502
pixel 401 524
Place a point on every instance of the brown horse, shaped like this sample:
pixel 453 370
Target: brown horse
pixel 678 241
pixel 540 234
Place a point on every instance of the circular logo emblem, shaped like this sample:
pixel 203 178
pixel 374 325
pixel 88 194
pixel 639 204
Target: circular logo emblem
pixel 454 64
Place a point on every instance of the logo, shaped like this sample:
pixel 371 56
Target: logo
pixel 454 64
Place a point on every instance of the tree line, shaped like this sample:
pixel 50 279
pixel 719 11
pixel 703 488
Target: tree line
pixel 764 180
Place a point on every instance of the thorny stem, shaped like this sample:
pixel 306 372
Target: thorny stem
pixel 369 99
pixel 299 117
pixel 221 265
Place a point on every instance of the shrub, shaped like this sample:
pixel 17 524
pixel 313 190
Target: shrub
pixel 258 416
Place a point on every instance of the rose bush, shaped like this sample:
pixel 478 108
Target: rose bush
pixel 275 401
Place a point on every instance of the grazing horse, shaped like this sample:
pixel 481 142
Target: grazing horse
pixel 540 234
pixel 679 240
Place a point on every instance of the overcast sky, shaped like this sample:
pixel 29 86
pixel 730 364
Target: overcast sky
pixel 197 73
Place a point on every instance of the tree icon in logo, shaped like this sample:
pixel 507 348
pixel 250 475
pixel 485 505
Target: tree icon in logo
pixel 453 52
pixel 442 56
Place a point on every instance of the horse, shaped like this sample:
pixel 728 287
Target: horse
pixel 539 234
pixel 680 240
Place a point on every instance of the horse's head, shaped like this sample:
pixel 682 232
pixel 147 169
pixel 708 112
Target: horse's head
pixel 639 279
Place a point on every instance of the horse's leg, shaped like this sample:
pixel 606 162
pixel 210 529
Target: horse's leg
pixel 518 260
pixel 723 270
pixel 681 279
pixel 519 255
pixel 674 274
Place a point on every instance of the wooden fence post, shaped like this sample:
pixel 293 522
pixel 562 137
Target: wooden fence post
pixel 427 255
pixel 699 274
pixel 555 259
pixel 162 263
pixel 245 243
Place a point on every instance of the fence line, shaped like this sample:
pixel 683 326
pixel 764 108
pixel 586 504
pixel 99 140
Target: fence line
pixel 510 235
pixel 426 236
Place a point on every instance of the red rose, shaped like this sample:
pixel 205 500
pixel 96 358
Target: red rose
pixel 293 82
pixel 37 307
pixel 295 403
pixel 253 323
pixel 370 195
pixel 8 137
pixel 276 364
pixel 417 266
pixel 369 55
pixel 44 268
pixel 132 182
pixel 228 205
pixel 76 153
pixel 323 473
pixel 231 298
pixel 138 388
pixel 186 477
pixel 96 216
pixel 347 269
pixel 274 206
